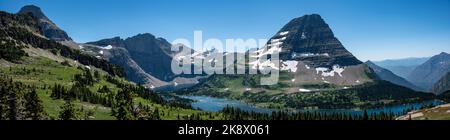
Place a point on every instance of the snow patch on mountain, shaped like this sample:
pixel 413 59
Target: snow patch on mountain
pixel 326 72
pixel 284 33
pixel 289 65
pixel 304 90
pixel 107 47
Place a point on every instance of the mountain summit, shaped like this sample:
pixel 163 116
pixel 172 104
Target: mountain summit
pixel 49 28
pixel 310 39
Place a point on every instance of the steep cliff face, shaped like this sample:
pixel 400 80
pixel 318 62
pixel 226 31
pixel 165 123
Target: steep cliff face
pixel 152 55
pixel 135 73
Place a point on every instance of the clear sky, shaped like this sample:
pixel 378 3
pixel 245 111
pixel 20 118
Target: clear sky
pixel 370 29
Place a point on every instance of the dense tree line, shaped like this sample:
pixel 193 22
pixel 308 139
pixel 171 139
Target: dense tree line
pixel 146 93
pixel 19 101
pixel 122 104
pixel 11 50
pixel 231 113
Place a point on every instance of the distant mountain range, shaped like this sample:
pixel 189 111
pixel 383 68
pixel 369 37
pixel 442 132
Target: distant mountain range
pixel 430 72
pixel 385 74
pixel 401 67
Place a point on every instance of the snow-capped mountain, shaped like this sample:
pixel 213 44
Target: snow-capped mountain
pixel 310 39
pixel 310 51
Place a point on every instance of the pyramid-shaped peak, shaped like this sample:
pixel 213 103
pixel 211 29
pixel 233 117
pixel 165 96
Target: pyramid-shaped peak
pixel 310 39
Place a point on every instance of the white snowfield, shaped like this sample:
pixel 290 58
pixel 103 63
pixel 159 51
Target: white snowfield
pixel 277 40
pixel 284 33
pixel 304 90
pixel 261 65
pixel 326 72
pixel 289 65
pixel 307 67
pixel 270 51
pixel 275 44
pixel 80 46
pixel 100 52
pixel 107 47
pixel 313 54
pixel 196 55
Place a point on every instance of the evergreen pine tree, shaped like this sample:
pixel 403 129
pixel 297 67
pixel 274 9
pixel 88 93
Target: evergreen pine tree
pixel 69 111
pixel 33 106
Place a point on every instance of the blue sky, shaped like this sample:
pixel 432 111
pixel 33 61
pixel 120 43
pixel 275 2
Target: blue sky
pixel 370 29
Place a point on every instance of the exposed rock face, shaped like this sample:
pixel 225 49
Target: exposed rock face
pixel 427 74
pixel 311 40
pixel 120 56
pixel 387 75
pixel 442 85
pixel 49 28
pixel 146 58
pixel 152 54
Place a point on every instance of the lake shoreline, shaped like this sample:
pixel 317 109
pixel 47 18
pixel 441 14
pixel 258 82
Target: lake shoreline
pixel 214 104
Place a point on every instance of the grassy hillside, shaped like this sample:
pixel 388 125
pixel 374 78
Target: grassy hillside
pixel 44 73
pixel 441 112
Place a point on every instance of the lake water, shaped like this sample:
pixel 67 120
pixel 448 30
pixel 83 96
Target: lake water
pixel 207 103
